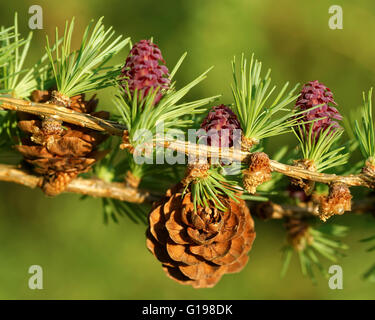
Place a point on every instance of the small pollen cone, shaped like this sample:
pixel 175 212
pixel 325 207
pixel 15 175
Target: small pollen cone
pixel 336 203
pixel 198 247
pixel 259 171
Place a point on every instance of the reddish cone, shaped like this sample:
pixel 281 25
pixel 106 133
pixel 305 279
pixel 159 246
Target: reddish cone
pixel 219 118
pixel 143 69
pixel 313 94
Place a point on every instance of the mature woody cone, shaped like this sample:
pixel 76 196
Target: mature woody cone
pixel 60 151
pixel 198 248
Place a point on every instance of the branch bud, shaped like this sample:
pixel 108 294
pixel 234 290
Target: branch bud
pixel 336 203
pixel 126 142
pixel 306 185
pixel 369 172
pixel 131 180
pixel 195 171
pixel 247 143
pixel 56 184
pixel 60 99
pixel 259 171
pixel 268 210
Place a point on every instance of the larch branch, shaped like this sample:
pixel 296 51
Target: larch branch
pixel 119 191
pixel 89 187
pixel 233 154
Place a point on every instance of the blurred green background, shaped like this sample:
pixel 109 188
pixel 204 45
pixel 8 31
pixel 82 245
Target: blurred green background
pixel 84 259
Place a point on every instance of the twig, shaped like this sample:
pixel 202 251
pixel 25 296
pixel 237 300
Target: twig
pixel 119 191
pixel 269 210
pixel 63 114
pixel 290 171
pixel 90 187
pixel 296 172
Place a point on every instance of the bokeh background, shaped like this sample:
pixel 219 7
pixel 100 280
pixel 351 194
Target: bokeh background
pixel 84 259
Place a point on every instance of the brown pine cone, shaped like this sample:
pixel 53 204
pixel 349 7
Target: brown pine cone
pixel 60 151
pixel 198 248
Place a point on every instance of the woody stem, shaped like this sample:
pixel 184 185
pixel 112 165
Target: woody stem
pixel 119 191
pixel 90 187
